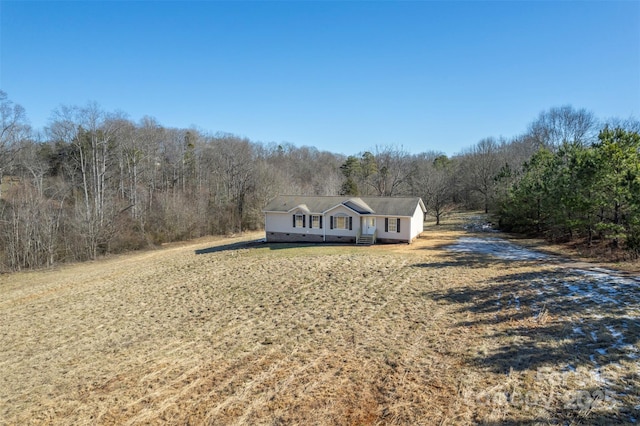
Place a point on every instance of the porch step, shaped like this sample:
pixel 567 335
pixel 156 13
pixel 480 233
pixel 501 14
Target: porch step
pixel 365 240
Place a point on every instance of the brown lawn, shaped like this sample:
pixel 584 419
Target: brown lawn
pixel 221 331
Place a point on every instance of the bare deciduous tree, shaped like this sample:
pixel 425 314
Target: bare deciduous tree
pixel 92 133
pixel 564 125
pixel 432 180
pixel 389 173
pixel 13 129
pixel 480 166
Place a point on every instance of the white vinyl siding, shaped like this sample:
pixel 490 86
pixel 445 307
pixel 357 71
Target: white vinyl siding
pixel 286 222
pixel 417 223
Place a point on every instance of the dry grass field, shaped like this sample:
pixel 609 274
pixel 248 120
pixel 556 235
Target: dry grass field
pixel 461 327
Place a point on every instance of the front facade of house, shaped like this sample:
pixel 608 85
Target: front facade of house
pixel 344 219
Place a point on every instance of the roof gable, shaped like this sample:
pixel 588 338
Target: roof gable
pixel 358 205
pixel 301 207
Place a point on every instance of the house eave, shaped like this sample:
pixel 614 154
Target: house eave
pixel 332 208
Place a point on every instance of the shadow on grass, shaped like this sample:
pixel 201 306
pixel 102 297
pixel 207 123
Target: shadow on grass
pixel 289 246
pixel 560 316
pixel 261 243
pixel 581 326
pixel 233 246
pixel 565 319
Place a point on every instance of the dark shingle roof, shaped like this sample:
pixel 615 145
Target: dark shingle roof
pixel 387 206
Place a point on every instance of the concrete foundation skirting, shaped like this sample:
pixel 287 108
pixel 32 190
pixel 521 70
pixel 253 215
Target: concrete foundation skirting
pixel 390 241
pixel 290 237
pixel 340 239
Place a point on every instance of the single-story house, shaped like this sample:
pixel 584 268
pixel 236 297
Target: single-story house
pixel 360 220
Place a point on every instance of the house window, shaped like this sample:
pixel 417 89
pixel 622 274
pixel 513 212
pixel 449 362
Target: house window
pixel 392 224
pixel 298 221
pixel 341 222
pixel 316 221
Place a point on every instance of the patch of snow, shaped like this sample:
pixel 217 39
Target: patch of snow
pixel 615 334
pixel 497 247
pixel 601 351
pixel 597 376
pixel 595 372
pixel 603 270
pixel 478 224
pixel 608 278
pixel 632 351
pixel 573 288
pixel 585 290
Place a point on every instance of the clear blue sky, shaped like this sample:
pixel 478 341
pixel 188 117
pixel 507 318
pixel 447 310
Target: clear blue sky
pixel 340 76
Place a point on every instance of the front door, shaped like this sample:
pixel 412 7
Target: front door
pixel 368 225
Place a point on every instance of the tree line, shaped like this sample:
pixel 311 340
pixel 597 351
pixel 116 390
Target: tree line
pixel 95 182
pixel 580 191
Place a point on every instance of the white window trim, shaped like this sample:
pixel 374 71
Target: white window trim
pixel 315 221
pixel 299 220
pixel 393 224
